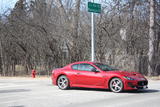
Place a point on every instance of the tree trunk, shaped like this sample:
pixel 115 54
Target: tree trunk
pixel 76 44
pixel 151 52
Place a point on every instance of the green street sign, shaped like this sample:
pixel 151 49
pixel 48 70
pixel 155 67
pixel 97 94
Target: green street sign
pixel 94 7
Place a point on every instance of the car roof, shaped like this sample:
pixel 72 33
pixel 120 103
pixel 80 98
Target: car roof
pixel 79 62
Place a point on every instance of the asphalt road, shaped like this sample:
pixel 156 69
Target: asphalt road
pixel 39 92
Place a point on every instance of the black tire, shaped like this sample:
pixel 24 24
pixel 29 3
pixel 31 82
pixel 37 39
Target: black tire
pixel 116 85
pixel 63 82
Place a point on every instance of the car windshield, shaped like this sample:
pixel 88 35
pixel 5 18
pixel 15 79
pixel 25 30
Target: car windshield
pixel 104 67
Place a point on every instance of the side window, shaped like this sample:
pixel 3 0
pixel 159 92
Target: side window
pixel 85 67
pixel 75 67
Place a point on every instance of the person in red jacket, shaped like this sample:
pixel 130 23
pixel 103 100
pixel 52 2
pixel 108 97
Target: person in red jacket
pixel 33 73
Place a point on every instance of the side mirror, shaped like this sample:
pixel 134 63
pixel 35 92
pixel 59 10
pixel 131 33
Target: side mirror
pixel 95 70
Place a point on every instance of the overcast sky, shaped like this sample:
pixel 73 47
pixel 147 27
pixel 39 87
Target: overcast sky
pixel 5 4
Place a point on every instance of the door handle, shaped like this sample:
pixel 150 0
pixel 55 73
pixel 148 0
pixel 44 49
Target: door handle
pixel 78 73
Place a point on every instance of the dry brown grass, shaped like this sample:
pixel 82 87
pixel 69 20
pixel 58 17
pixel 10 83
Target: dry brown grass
pixel 49 77
pixel 27 77
pixel 154 78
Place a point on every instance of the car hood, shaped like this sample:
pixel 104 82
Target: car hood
pixel 134 75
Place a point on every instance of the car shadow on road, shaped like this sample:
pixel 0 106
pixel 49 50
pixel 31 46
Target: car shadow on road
pixel 142 91
pixel 90 89
pixel 14 90
pixel 107 90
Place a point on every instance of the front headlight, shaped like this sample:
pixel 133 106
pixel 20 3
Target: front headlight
pixel 128 78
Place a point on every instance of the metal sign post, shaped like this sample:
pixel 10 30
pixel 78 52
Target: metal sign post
pixel 92 37
pixel 94 8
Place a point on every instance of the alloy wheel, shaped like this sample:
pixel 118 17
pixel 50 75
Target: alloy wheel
pixel 63 82
pixel 116 85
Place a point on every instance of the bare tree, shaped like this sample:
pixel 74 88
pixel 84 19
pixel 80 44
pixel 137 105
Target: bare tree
pixel 46 34
pixel 152 39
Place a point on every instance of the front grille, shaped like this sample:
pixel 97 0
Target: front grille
pixel 142 83
pixel 130 85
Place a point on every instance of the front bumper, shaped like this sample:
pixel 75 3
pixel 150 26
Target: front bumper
pixel 134 85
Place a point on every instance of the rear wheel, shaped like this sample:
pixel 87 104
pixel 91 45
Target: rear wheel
pixel 116 85
pixel 63 82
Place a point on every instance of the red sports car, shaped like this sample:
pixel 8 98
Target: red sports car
pixel 97 75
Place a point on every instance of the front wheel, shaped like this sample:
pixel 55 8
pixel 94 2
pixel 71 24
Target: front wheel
pixel 116 85
pixel 63 82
